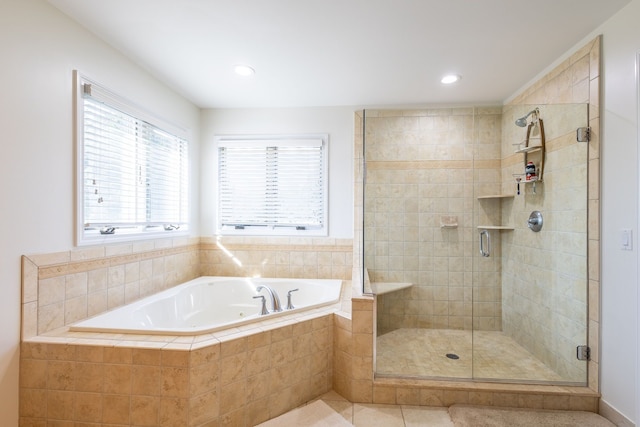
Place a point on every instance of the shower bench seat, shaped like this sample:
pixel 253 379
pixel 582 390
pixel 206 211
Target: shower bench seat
pixel 380 288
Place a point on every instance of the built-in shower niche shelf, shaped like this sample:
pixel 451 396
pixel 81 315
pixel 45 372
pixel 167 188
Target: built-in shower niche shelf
pixel 495 227
pixel 380 288
pixel 499 198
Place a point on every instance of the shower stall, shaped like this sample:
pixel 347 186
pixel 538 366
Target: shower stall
pixel 465 288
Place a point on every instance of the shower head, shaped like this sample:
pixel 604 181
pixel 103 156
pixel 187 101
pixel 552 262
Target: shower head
pixel 522 121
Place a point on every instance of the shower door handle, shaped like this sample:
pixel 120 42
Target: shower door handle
pixel 485 248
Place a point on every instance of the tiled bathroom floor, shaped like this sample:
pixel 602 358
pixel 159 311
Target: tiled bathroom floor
pixel 333 410
pixel 423 353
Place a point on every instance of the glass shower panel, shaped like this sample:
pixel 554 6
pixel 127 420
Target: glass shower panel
pixel 419 239
pixel 530 293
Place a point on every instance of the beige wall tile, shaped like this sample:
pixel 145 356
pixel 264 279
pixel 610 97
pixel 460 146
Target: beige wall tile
pixel 408 396
pixel 117 378
pixel 175 382
pixel 29 280
pixel 175 358
pixel 116 409
pixel 145 380
pixel 232 368
pixel 88 407
pixel 234 397
pixel 144 410
pixel 203 408
pixel 384 395
pixel 204 355
pixel 50 317
pixel 203 378
pixel 89 377
pixel 31 403
pixel 51 291
pixel 29 320
pixel 33 373
pixel 59 405
pixel 173 412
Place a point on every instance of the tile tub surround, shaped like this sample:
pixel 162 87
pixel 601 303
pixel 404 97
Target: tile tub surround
pixel 219 378
pixel 162 380
pixel 62 288
pixel 237 377
pixel 313 258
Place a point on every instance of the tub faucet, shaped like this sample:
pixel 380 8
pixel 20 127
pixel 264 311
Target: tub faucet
pixel 263 310
pixel 275 301
pixel 289 304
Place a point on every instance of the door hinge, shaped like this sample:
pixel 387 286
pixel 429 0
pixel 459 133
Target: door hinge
pixel 583 352
pixel 583 134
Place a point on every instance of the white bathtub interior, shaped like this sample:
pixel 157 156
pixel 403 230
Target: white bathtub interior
pixel 211 303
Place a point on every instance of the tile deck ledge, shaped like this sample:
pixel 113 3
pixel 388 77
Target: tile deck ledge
pixel 480 386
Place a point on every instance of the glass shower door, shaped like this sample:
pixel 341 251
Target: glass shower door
pixel 530 292
pixel 436 181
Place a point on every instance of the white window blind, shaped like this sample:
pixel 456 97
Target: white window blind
pixel 272 185
pixel 134 172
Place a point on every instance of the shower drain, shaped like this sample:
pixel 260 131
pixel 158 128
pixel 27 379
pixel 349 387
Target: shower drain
pixel 453 356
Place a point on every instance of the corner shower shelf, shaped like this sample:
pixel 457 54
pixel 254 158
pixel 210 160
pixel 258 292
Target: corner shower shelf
pixel 495 227
pixel 496 196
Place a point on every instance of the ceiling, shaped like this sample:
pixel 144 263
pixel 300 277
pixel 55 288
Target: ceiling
pixel 342 52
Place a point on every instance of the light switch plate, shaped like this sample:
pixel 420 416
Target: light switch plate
pixel 626 239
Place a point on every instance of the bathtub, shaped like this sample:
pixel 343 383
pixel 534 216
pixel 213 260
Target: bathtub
pixel 210 303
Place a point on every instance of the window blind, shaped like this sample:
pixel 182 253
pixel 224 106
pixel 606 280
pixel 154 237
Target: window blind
pixel 272 183
pixel 134 173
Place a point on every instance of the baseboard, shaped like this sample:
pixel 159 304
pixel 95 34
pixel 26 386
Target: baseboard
pixel 613 415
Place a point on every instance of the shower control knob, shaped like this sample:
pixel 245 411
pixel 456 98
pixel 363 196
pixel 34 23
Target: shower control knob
pixel 535 221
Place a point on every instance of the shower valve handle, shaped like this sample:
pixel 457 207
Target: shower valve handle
pixel 535 221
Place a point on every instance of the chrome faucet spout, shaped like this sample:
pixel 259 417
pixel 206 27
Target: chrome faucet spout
pixel 275 301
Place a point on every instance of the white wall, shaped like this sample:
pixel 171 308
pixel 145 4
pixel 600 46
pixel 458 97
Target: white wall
pixel 338 122
pixel 39 48
pixel 620 378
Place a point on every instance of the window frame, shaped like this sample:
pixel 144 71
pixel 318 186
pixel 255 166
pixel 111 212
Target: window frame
pixel 267 230
pixel 84 236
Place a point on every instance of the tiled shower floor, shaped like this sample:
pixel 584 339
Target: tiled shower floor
pixel 422 353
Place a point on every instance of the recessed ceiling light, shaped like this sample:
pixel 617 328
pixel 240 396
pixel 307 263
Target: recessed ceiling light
pixel 450 79
pixel 244 70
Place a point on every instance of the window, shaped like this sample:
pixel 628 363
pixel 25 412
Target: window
pixel 132 170
pixel 272 185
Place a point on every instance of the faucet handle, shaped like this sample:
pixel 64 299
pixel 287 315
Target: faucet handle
pixel 264 310
pixel 289 305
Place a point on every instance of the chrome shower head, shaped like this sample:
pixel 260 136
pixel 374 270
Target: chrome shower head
pixel 522 121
